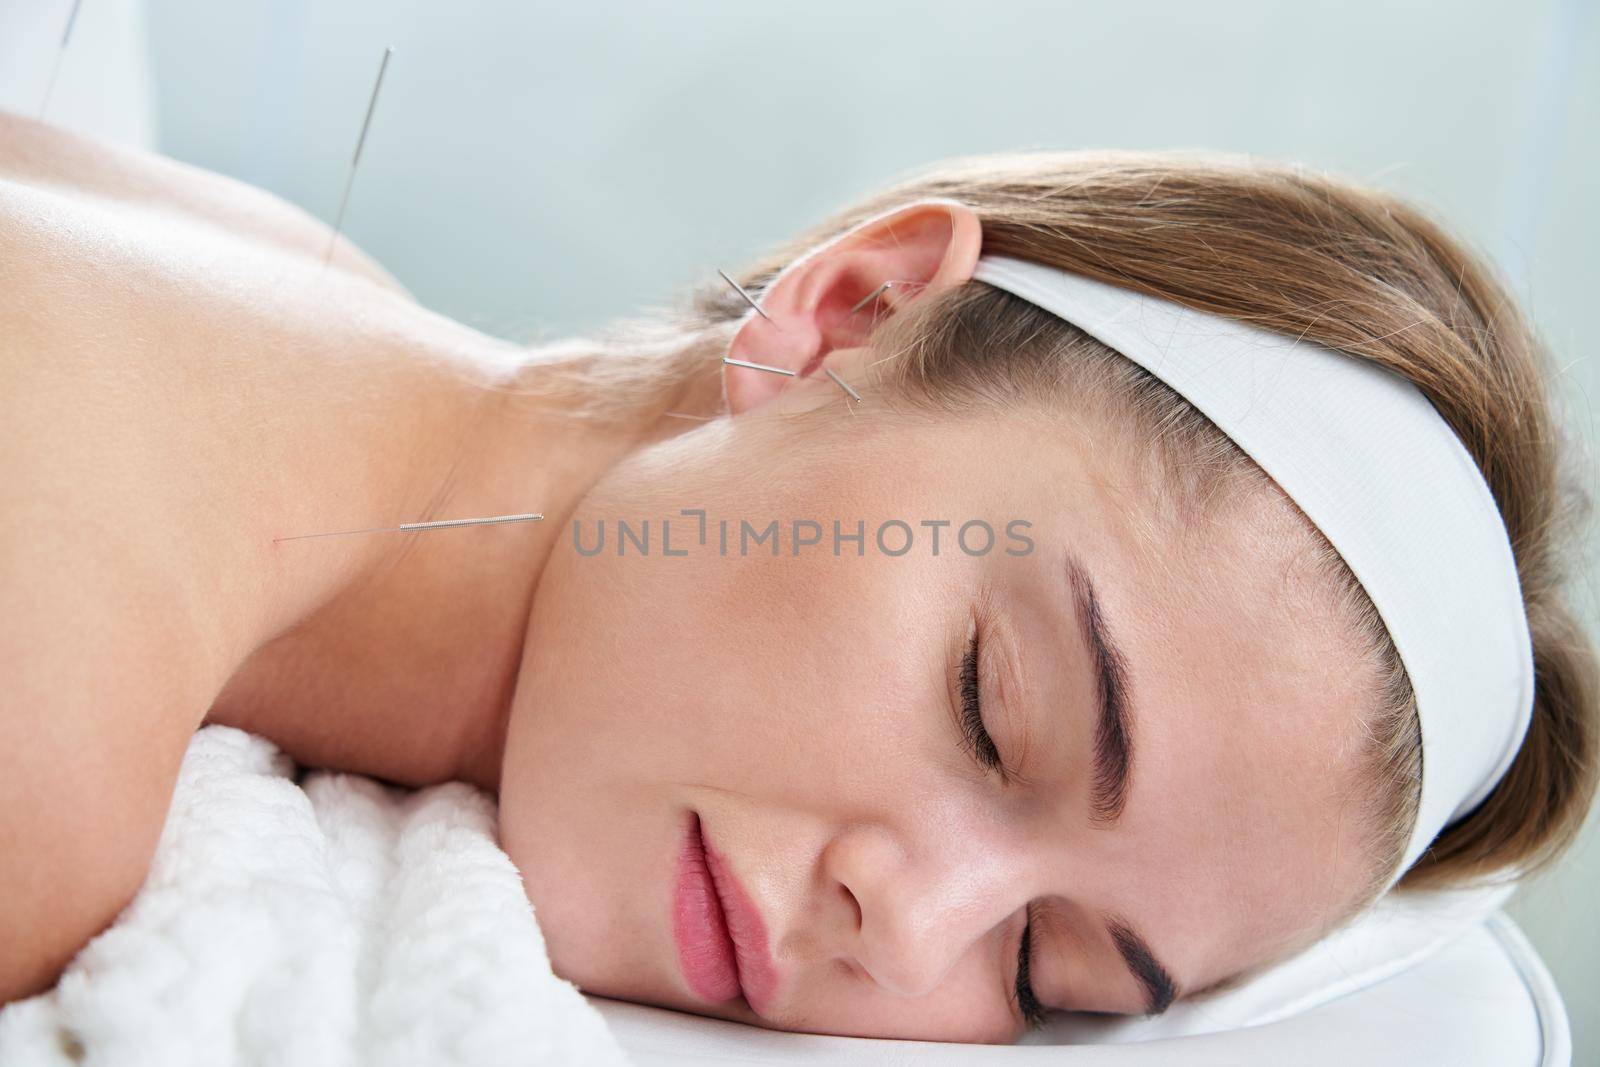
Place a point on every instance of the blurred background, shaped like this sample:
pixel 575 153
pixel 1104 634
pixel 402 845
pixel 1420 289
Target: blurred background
pixel 536 169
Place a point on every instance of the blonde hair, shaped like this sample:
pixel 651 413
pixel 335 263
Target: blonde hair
pixel 1287 249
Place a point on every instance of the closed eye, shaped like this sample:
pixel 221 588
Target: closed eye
pixel 1028 1006
pixel 976 734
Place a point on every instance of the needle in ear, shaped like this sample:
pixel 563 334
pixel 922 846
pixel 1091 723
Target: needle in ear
pixel 859 304
pixel 748 299
pixel 756 366
pixel 842 384
pixel 870 297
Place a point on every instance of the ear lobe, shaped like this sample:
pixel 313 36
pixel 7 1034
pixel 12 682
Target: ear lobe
pixel 819 304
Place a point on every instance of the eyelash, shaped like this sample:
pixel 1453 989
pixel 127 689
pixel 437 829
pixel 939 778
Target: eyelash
pixel 977 735
pixel 988 754
pixel 1033 1013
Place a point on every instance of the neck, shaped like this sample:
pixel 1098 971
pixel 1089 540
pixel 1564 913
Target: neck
pixel 404 667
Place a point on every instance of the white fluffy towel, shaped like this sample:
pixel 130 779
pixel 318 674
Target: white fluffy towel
pixel 336 921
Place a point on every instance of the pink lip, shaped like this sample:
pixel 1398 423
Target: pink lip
pixel 722 942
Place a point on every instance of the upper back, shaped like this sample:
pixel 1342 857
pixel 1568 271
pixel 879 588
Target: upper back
pixel 82 170
pixel 180 368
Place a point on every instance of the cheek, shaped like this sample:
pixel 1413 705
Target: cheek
pixel 754 673
pixel 796 691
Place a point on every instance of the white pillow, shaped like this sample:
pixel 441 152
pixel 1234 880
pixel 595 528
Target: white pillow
pixel 1394 934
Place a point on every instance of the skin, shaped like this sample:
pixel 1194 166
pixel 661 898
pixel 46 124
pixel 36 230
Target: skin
pixel 804 706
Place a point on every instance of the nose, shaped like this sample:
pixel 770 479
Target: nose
pixel 908 914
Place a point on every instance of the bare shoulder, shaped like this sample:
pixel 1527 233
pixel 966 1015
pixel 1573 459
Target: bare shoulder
pixel 114 611
pixel 107 661
pixel 107 670
pixel 177 361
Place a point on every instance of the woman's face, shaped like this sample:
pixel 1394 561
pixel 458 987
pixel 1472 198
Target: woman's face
pixel 803 710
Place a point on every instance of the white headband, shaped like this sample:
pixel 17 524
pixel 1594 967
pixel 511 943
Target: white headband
pixel 1364 454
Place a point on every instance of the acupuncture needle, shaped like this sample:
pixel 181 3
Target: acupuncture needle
pixel 355 160
pixel 55 68
pixel 406 527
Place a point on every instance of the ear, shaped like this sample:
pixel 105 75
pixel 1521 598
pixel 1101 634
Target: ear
pixel 920 248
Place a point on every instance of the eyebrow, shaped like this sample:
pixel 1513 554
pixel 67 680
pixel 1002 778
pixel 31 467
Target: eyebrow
pixel 1113 735
pixel 1159 989
pixel 1113 766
